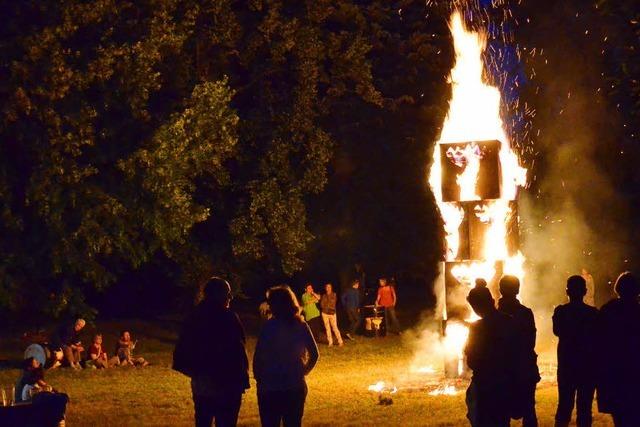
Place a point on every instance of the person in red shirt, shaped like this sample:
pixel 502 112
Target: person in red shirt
pixel 98 356
pixel 387 299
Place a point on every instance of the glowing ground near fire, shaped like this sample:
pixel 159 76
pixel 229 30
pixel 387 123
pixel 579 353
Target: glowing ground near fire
pixel 338 392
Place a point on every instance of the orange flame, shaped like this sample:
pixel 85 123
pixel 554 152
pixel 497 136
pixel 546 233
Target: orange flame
pixel 474 115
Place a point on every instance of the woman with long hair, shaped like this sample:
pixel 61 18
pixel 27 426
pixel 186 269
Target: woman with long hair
pixel 285 353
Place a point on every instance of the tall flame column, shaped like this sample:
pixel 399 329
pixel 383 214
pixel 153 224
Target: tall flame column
pixel 474 177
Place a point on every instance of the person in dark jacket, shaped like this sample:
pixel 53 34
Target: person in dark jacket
pixel 528 375
pixel 619 345
pixel 211 351
pixel 574 324
pixel 328 303
pixel 351 303
pixel 67 338
pixel 490 355
pixel 285 353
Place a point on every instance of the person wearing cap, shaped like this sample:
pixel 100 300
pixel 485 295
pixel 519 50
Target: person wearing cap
pixel 574 324
pixel 211 351
pixel 490 355
pixel 527 359
pixel 618 343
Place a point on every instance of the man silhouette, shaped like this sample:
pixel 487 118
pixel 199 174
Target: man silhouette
pixel 211 350
pixel 490 355
pixel 619 345
pixel 526 358
pixel 574 324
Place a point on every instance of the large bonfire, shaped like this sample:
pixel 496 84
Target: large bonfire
pixel 474 117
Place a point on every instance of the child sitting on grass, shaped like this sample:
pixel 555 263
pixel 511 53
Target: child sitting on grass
pixel 48 405
pixel 124 351
pixel 32 379
pixel 99 357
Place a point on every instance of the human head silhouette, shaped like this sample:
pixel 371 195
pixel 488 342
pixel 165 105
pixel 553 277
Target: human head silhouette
pixel 217 291
pixel 509 286
pixel 627 286
pixel 576 288
pixel 481 300
pixel 283 303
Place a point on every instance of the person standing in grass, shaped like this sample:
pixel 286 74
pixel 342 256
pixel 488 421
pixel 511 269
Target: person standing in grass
pixel 618 340
pixel 387 298
pixel 491 355
pixel 351 303
pixel 575 326
pixel 211 351
pixel 328 304
pixel 285 353
pixel 310 300
pixel 528 375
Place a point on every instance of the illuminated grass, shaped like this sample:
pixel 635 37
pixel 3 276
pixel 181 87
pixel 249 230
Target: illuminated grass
pixel 158 396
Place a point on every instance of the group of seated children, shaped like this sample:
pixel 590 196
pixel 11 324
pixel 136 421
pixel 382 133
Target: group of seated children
pixel 99 358
pixel 66 348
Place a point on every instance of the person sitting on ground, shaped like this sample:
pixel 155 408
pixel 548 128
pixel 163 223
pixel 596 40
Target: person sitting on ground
pixel 31 381
pixel 387 298
pixel 618 340
pixel 329 317
pixel 49 358
pixel 351 303
pixel 99 357
pixel 68 339
pixel 491 356
pixel 575 324
pixel 124 351
pixel 285 353
pixel 218 366
pixel 49 406
pixel 310 300
pixel 527 366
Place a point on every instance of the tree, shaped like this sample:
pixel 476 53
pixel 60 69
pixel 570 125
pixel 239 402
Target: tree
pixel 103 141
pixel 123 137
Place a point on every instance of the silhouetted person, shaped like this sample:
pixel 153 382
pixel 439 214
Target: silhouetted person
pixel 619 345
pixel 490 355
pixel 211 350
pixel 574 324
pixel 285 353
pixel 351 304
pixel 526 358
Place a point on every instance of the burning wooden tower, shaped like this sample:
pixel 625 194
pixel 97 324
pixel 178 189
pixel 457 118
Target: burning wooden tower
pixel 475 178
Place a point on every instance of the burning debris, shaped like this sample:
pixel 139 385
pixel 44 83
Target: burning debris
pixel 385 392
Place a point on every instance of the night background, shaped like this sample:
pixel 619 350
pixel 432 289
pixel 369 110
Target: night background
pixel 148 145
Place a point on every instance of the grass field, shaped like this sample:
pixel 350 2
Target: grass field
pixel 338 395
